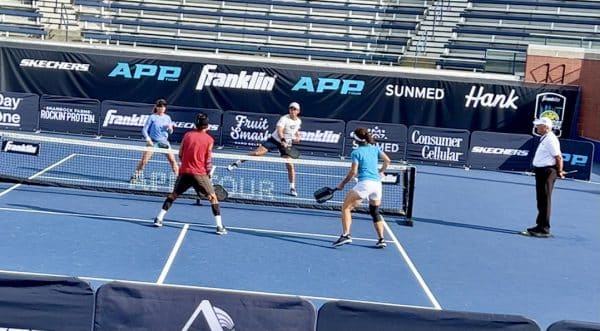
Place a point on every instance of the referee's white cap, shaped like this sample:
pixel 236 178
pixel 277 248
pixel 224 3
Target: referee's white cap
pixel 294 105
pixel 544 121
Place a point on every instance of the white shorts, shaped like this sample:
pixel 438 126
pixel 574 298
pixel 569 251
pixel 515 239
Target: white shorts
pixel 368 189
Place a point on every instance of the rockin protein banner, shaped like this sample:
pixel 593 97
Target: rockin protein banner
pixel 69 115
pixel 382 97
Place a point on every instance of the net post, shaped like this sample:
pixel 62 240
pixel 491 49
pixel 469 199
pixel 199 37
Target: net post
pixel 408 193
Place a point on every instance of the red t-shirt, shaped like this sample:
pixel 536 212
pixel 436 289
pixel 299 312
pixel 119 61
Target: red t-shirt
pixel 196 153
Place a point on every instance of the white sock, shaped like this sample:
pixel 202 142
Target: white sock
pixel 161 214
pixel 218 221
pixel 292 186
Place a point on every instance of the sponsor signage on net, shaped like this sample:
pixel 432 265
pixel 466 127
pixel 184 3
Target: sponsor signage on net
pixel 54 65
pixel 11 146
pixel 437 145
pixel 244 80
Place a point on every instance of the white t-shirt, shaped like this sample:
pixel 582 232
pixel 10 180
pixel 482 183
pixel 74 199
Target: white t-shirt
pixel 547 150
pixel 290 128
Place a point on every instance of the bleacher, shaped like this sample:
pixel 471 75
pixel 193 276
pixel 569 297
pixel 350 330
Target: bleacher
pixel 21 19
pixel 492 32
pixel 367 31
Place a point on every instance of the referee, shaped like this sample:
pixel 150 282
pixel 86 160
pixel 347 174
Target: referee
pixel 547 165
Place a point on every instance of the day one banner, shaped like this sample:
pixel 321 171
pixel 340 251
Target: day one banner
pixel 437 146
pixel 383 97
pixel 501 151
pixel 19 111
pixel 390 138
pixel 69 115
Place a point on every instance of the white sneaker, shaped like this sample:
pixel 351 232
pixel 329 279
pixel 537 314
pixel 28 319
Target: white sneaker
pixel 158 222
pixel 293 192
pixel 221 230
pixel 233 166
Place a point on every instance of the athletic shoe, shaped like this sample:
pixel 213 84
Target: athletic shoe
pixel 293 192
pixel 233 166
pixel 537 232
pixel 381 243
pixel 221 230
pixel 158 222
pixel 342 240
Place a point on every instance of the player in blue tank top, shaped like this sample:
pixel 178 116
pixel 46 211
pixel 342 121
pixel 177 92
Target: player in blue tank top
pixel 365 166
pixel 156 131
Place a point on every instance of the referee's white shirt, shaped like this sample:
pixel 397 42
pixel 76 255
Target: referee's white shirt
pixel 547 150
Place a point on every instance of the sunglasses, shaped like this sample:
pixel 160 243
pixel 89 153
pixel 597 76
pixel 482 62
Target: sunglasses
pixel 294 108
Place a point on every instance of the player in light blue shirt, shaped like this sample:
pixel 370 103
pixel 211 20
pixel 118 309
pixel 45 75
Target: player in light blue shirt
pixel 365 165
pixel 156 131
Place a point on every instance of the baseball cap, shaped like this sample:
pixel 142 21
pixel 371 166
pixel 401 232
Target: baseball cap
pixel 543 121
pixel 294 105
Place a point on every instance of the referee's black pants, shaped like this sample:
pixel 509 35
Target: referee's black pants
pixel 544 184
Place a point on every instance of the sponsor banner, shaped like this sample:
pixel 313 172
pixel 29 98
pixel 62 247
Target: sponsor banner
pixel 126 119
pixel 474 105
pixel 321 136
pixel 577 155
pixel 70 115
pixel 501 151
pixel 20 147
pixel 391 138
pixel 355 316
pixel 437 146
pixel 247 130
pixel 19 111
pixel 31 302
pixel 127 306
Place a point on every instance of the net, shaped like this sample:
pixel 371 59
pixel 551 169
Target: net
pixel 93 165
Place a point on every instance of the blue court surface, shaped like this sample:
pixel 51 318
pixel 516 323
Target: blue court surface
pixel 463 253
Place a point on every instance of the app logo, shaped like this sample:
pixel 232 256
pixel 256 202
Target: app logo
pixel 344 86
pixel 162 73
pixel 258 81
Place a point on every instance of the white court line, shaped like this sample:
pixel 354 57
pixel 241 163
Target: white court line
pixel 37 174
pixel 405 256
pixel 308 297
pixel 412 268
pixel 167 267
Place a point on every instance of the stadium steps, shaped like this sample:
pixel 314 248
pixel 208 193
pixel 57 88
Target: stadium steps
pixel 60 19
pixel 434 31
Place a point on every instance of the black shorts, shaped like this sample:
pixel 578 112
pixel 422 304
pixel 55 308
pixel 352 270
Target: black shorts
pixel 271 145
pixel 201 184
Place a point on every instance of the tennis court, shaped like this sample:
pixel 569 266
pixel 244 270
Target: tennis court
pixel 464 252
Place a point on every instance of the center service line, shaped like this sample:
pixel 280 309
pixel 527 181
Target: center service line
pixel 167 267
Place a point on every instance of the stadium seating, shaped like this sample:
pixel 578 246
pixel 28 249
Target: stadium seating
pixel 20 18
pixel 320 29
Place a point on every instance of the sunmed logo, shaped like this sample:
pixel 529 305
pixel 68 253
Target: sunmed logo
pixel 54 65
pixel 258 81
pixel 11 146
pixel 414 92
pixel 163 73
pixel 478 97
pixel 344 86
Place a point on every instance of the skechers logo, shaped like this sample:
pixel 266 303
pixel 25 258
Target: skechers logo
pixel 345 86
pixel 10 146
pixel 499 151
pixel 478 97
pixel 112 118
pixel 56 65
pixel 163 73
pixel 256 80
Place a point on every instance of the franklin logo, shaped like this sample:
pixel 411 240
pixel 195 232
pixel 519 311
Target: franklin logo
pixel 11 146
pixel 327 136
pixel 258 81
pixel 113 119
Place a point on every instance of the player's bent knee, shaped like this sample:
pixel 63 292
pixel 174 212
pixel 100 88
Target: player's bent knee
pixel 375 215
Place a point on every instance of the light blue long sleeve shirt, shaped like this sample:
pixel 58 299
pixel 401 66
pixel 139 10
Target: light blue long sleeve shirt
pixel 157 128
